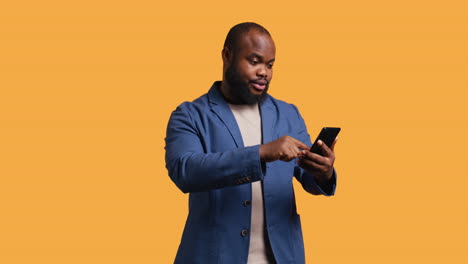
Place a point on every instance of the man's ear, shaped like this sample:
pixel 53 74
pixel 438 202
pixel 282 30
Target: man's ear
pixel 226 53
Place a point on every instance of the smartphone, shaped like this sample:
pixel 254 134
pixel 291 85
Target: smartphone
pixel 327 135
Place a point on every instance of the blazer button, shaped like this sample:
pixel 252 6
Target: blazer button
pixel 246 203
pixel 244 232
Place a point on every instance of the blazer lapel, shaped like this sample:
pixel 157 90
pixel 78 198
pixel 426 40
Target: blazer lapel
pixel 268 118
pixel 222 110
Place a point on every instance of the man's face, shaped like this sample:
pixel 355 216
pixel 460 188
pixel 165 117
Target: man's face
pixel 251 68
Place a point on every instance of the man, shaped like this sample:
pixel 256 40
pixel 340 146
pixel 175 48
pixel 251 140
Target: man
pixel 235 150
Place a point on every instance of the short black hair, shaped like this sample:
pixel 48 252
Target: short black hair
pixel 238 30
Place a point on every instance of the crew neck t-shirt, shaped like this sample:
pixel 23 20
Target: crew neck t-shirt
pixel 249 123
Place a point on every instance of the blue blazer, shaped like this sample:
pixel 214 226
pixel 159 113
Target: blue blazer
pixel 205 157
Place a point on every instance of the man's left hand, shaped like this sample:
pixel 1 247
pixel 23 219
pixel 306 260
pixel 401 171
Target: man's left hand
pixel 319 166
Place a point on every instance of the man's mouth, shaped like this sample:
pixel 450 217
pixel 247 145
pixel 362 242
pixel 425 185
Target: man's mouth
pixel 259 85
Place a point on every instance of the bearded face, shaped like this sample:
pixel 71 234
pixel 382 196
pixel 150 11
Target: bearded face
pixel 240 92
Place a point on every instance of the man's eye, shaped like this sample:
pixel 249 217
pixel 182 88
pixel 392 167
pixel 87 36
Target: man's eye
pixel 270 66
pixel 253 62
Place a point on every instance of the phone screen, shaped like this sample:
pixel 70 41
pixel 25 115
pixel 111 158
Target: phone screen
pixel 327 135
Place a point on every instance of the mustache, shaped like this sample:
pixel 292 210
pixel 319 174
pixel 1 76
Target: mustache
pixel 261 81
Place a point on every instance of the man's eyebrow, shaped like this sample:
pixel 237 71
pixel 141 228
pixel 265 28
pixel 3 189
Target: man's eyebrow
pixel 256 55
pixel 260 57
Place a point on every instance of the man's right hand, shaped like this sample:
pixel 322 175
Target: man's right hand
pixel 285 148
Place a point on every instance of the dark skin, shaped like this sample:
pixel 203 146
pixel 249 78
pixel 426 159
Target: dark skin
pixel 254 60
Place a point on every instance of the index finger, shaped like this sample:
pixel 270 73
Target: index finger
pixel 300 144
pixel 332 148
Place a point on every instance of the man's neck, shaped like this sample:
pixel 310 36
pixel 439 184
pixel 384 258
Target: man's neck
pixel 224 88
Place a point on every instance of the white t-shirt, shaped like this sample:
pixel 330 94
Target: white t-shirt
pixel 249 122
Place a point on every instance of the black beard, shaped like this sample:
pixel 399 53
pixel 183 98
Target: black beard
pixel 239 90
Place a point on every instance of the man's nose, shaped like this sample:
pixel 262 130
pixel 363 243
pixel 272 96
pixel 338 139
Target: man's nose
pixel 262 71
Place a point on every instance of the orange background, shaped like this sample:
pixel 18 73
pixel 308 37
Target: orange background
pixel 87 89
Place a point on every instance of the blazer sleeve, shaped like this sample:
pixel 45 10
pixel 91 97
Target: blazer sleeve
pixel 306 179
pixel 193 170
